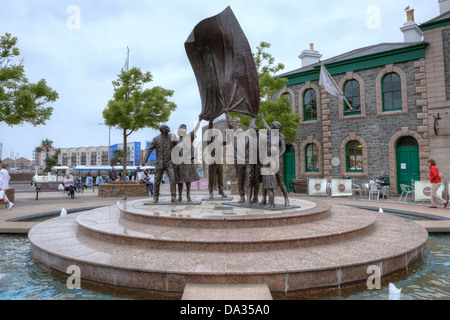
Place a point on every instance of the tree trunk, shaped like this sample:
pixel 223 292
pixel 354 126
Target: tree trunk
pixel 124 174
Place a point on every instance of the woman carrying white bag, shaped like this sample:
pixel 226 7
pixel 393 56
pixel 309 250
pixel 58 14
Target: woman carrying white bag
pixel 4 184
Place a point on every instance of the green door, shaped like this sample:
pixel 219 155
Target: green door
pixel 289 165
pixel 408 165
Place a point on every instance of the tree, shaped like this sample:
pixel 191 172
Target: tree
pixel 21 101
pixel 118 156
pixel 133 108
pixel 269 85
pixel 51 155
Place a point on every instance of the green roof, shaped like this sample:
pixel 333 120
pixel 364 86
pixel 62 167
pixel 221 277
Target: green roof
pixel 360 59
pixel 440 21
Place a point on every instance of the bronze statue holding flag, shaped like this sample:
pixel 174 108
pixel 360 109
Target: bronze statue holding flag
pixel 223 64
pixel 226 74
pixel 228 81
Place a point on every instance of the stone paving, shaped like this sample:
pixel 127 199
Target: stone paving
pixel 51 203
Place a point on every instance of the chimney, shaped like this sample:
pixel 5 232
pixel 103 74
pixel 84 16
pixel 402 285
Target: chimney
pixel 444 6
pixel 310 56
pixel 411 31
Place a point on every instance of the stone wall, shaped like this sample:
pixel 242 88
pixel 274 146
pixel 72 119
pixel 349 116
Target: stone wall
pixel 10 193
pixel 111 190
pixel 373 128
pixel 446 44
pixel 21 176
pixel 437 70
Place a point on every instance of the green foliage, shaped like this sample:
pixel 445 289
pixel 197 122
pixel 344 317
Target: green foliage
pixel 133 107
pixel 122 182
pixel 117 157
pixel 21 101
pixel 265 64
pixel 51 156
pixel 279 110
pixel 52 160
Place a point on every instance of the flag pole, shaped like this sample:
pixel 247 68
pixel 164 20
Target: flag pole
pixel 337 87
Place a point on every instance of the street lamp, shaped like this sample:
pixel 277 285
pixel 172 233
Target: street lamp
pixel 109 141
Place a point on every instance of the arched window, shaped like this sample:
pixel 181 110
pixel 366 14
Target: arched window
pixel 392 92
pixel 312 158
pixel 353 94
pixel 354 152
pixel 289 97
pixel 309 105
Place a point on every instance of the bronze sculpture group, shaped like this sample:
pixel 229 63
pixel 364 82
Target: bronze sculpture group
pixel 228 81
pixel 249 177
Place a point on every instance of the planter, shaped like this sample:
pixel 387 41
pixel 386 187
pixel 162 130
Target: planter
pixel 10 194
pixel 301 185
pixel 111 190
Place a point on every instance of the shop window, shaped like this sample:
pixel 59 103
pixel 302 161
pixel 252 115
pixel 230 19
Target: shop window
pixel 310 105
pixel 354 156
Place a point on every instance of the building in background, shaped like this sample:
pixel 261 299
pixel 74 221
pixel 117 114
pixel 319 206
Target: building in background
pixel 90 156
pixel 152 159
pixel 435 90
pixel 395 91
pixel 133 152
pixel 18 164
pixel 39 157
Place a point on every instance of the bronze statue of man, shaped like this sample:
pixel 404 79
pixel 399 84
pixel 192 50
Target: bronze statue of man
pixel 239 156
pixel 215 171
pixel 282 150
pixel 253 177
pixel 186 172
pixel 163 145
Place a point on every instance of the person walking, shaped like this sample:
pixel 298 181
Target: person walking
pixel 4 184
pixel 435 179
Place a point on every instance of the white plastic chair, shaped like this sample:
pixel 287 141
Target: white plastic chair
pixel 374 190
pixel 366 188
pixel 89 182
pixel 406 191
pixel 356 188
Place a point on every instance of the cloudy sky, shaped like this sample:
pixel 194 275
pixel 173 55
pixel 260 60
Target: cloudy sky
pixel 79 47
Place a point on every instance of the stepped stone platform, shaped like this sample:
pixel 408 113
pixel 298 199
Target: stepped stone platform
pixel 165 247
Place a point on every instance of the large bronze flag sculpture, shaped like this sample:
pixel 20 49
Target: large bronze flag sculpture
pixel 223 64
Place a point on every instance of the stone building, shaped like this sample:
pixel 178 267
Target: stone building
pixel 395 90
pixel 436 85
pixel 18 164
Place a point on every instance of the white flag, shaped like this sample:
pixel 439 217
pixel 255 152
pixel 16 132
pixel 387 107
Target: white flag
pixel 326 81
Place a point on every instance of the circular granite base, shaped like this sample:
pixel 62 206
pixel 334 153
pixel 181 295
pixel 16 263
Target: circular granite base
pixel 163 248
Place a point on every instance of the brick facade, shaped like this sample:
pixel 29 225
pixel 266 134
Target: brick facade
pixel 437 94
pixel 377 131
